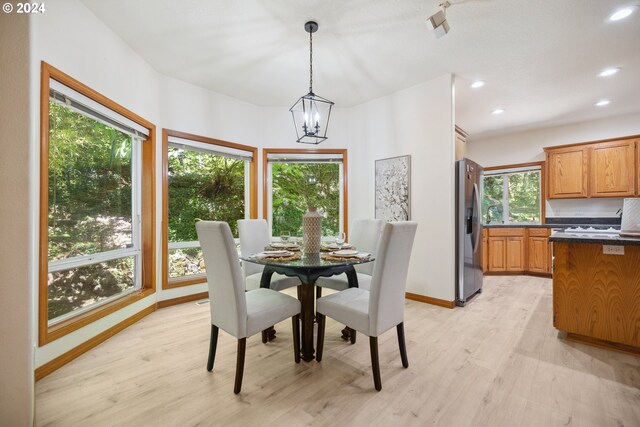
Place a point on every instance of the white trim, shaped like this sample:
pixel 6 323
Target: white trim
pixel 81 310
pixel 303 157
pixel 220 150
pixel 182 245
pixel 80 261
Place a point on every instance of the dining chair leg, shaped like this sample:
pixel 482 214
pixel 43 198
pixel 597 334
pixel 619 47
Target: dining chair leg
pixel 242 346
pixel 265 336
pixel 213 345
pixel 321 321
pixel 296 337
pixel 401 344
pixel 375 363
pixel 353 335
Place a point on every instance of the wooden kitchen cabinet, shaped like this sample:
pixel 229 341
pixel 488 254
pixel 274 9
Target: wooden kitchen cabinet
pixel 613 169
pixel 497 254
pixel 538 254
pixel 567 170
pixel 597 169
pixel 595 295
pixel 485 250
pixel 515 254
pixel 517 250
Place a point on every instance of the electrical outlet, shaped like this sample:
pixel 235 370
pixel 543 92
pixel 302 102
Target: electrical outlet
pixel 613 249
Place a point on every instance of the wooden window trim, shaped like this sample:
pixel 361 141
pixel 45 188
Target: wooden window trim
pixel 543 183
pixel 47 334
pixel 345 176
pixel 168 283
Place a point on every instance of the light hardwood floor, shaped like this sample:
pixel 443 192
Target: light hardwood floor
pixel 496 362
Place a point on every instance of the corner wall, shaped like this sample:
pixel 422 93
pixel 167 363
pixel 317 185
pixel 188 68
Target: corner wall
pixel 16 330
pixel 417 121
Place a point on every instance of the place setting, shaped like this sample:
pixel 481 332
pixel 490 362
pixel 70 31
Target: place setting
pixel 286 243
pixel 277 255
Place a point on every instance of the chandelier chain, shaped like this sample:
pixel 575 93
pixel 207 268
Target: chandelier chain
pixel 310 62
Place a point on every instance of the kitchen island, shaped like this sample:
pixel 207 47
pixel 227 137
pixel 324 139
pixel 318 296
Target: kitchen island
pixel 596 289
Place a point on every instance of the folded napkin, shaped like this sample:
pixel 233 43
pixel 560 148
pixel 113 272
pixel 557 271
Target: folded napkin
pixel 359 255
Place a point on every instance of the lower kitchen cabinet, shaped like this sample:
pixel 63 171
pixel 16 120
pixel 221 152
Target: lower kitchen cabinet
pixel 515 254
pixel 485 250
pixel 538 255
pixel 517 250
pixel 497 254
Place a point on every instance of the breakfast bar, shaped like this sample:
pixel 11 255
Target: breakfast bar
pixel 596 289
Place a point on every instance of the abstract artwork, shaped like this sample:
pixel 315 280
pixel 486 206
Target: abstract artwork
pixel 393 202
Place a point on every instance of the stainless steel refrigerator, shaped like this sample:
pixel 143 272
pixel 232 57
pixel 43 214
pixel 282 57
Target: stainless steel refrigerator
pixel 468 230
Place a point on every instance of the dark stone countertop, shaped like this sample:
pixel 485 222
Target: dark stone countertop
pixel 608 239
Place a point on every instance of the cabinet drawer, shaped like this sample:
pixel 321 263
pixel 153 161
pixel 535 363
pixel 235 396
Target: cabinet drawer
pixel 538 232
pixel 507 232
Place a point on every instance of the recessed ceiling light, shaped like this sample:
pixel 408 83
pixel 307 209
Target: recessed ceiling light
pixel 477 84
pixel 609 72
pixel 602 102
pixel 498 111
pixel 621 14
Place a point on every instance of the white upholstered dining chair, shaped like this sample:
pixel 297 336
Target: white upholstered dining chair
pixel 375 311
pixel 364 235
pixel 254 236
pixel 233 310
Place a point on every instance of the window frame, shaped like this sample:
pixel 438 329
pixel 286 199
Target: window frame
pixel 146 189
pixel 266 182
pixel 543 185
pixel 168 283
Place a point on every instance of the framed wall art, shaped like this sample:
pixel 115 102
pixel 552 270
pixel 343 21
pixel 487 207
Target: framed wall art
pixel 393 189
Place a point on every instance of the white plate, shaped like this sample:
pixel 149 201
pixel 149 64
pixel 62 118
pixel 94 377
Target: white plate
pixel 279 245
pixel 335 246
pixel 345 252
pixel 271 253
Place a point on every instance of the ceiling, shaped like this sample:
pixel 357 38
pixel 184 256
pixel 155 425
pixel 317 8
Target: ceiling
pixel 540 59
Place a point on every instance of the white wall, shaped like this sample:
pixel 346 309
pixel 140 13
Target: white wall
pixel 16 333
pixel 523 147
pixel 417 121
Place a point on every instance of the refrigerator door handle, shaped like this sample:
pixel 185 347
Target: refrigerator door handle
pixel 476 211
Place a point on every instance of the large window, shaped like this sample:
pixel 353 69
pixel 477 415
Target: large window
pixel 91 205
pixel 296 178
pixel 513 195
pixel 206 179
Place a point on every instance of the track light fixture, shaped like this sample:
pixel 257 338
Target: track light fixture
pixel 438 21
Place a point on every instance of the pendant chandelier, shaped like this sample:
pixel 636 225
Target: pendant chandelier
pixel 311 112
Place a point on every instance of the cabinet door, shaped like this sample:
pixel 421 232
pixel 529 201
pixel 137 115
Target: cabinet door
pixel 567 172
pixel 515 254
pixel 485 254
pixel 613 169
pixel 497 253
pixel 538 254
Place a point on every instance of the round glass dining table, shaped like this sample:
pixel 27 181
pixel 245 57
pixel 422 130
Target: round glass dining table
pixel 308 268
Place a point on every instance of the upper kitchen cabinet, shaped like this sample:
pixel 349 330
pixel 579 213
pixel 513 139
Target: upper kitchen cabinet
pixel 567 172
pixel 613 169
pixel 598 169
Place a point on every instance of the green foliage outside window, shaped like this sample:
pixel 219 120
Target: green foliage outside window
pixel 523 198
pixel 203 186
pixel 90 208
pixel 206 187
pixel 295 185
